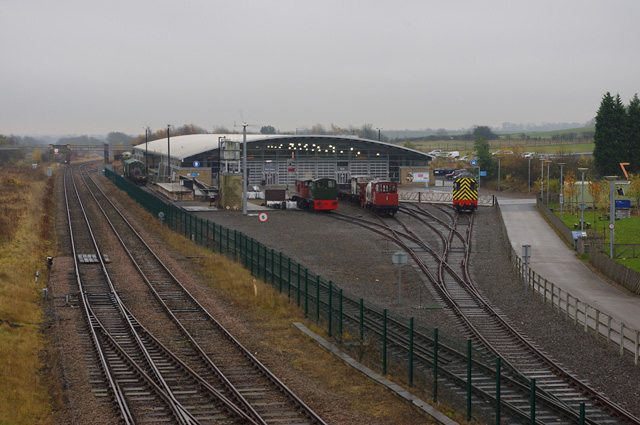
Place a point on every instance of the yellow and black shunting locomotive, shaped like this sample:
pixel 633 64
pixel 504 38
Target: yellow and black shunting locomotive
pixel 465 193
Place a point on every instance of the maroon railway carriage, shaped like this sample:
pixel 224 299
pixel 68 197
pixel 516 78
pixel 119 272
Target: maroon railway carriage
pixel 381 196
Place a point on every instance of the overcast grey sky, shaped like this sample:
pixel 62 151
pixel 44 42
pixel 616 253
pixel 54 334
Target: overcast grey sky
pixel 88 67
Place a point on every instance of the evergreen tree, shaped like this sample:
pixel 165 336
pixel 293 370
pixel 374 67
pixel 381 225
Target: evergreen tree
pixel 485 160
pixel 610 135
pixel 633 135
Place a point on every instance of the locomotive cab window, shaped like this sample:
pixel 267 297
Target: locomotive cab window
pixel 386 188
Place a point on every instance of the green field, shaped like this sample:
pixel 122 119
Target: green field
pixel 550 134
pixel 517 146
pixel 627 231
pixel 540 142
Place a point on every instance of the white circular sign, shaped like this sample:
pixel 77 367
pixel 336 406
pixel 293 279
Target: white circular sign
pixel 611 226
pixel 263 217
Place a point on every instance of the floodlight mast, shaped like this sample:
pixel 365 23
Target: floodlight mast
pixel 244 169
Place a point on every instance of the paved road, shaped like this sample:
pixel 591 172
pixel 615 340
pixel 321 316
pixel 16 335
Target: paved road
pixel 556 262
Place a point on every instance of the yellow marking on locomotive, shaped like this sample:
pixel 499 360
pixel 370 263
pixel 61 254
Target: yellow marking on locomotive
pixel 465 189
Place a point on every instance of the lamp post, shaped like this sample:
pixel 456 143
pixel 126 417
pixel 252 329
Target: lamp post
pixel 582 170
pixel 220 139
pixel 541 180
pixel 169 153
pixel 561 164
pixel 529 179
pixel 548 164
pixel 146 150
pixel 498 173
pixel 612 211
pixel 244 169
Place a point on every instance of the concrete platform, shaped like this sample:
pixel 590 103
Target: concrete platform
pixel 555 261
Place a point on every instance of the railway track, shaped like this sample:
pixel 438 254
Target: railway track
pixel 144 381
pixel 444 261
pixel 199 340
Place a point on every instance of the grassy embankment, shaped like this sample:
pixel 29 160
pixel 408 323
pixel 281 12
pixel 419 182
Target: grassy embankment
pixel 26 199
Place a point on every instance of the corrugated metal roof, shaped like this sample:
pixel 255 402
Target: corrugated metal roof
pixel 182 147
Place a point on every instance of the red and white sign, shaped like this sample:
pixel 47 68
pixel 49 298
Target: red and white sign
pixel 611 226
pixel 263 217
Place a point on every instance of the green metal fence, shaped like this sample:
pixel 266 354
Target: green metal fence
pixel 341 314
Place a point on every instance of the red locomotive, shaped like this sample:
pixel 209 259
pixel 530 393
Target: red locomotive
pixel 316 194
pixel 380 196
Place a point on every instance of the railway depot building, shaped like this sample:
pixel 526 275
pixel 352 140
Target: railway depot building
pixel 277 159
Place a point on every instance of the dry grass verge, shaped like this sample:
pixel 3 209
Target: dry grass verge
pixel 26 196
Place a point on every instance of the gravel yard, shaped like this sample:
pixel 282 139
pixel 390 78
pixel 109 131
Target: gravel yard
pixel 360 263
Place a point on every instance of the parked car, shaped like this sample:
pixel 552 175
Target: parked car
pixel 528 155
pixel 502 152
pixel 455 173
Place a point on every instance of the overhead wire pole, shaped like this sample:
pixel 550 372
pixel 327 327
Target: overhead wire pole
pixel 146 150
pixel 169 152
pixel 244 169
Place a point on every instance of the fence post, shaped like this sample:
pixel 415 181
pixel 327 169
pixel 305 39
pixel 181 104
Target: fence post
pixel 468 380
pixel 411 352
pixel 288 272
pixel 306 292
pixel 280 274
pixel 636 350
pixel 265 264
pixel 317 299
pixel 340 313
pixel 258 259
pixel 251 256
pixel 384 341
pixel 586 317
pixel 298 290
pixel 498 377
pixel 435 364
pixel 362 321
pixel 622 339
pixel 329 307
